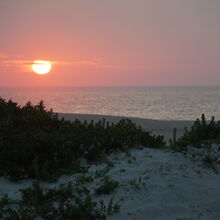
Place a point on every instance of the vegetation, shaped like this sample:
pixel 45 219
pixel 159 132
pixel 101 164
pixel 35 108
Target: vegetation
pixel 66 202
pixel 204 135
pixel 34 143
pixel 200 132
pixel 107 186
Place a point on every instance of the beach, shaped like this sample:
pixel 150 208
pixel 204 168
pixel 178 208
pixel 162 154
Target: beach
pixel 152 183
pixel 157 127
pixel 110 110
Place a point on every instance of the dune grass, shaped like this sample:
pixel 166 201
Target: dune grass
pixel 201 131
pixel 34 143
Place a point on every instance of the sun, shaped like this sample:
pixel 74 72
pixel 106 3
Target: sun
pixel 41 67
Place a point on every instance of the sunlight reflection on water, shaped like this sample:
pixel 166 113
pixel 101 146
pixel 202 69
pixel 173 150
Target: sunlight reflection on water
pixel 168 103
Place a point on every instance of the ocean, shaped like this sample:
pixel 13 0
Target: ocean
pixel 163 103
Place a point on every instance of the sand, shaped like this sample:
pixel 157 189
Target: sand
pixel 171 187
pixel 158 127
pixel 153 183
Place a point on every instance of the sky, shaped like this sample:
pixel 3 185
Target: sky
pixel 110 42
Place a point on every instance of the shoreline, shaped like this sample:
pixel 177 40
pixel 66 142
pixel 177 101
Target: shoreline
pixel 157 127
pixel 147 122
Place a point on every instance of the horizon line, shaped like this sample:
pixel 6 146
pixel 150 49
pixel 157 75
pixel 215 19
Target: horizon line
pixel 120 86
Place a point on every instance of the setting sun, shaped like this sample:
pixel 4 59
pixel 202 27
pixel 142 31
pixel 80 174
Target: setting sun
pixel 41 67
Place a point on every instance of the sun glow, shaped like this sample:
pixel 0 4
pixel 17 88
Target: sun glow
pixel 41 67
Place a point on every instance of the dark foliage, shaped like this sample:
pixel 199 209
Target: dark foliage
pixel 199 132
pixel 66 202
pixel 107 186
pixel 35 143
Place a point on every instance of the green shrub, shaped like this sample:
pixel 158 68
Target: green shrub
pixel 208 160
pixel 66 202
pixel 34 143
pixel 199 132
pixel 107 186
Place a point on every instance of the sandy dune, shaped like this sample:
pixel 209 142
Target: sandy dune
pixel 153 183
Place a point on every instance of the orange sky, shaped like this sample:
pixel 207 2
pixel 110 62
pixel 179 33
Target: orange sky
pixel 110 43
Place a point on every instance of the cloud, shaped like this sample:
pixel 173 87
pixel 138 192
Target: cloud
pixel 2 56
pixel 7 60
pixel 24 64
pixel 78 62
pixel 93 63
pixel 19 61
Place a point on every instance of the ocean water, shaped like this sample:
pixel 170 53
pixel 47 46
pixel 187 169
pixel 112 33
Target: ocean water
pixel 166 103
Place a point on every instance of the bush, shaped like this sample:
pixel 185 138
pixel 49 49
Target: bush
pixel 34 143
pixel 199 132
pixel 66 202
pixel 107 186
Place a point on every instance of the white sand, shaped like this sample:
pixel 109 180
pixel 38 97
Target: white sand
pixel 158 127
pixel 171 186
pixel 153 184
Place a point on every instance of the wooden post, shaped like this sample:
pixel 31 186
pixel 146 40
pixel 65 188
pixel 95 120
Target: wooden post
pixel 174 135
